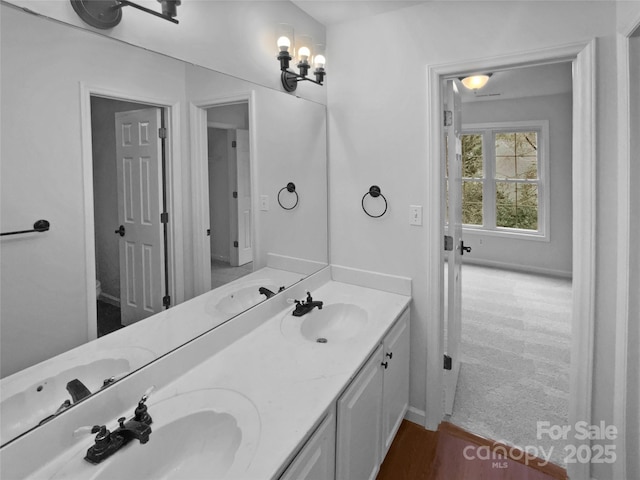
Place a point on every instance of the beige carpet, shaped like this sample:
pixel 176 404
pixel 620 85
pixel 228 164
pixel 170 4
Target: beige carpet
pixel 515 357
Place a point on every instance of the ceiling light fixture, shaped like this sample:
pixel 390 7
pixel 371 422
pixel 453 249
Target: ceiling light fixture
pixel 105 14
pixel 476 82
pixel 305 58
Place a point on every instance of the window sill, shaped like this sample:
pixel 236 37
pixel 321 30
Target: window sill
pixel 512 234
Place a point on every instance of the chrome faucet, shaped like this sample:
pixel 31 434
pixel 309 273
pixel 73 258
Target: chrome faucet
pixel 107 443
pixel 304 307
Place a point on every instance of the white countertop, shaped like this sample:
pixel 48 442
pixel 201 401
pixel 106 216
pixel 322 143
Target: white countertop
pixel 290 381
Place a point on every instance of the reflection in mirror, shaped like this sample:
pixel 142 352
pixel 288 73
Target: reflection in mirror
pixel 128 196
pixel 230 206
pixel 55 165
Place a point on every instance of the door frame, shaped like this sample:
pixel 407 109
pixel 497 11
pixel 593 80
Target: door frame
pixel 583 57
pixel 173 191
pixel 625 289
pixel 200 179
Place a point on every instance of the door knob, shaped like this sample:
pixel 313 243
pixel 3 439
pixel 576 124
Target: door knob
pixel 120 231
pixel 463 248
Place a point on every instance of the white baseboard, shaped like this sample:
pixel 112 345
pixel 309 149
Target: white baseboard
pixel 110 299
pixel 518 268
pixel 415 415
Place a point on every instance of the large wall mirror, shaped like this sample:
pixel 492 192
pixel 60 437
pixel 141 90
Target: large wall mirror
pixel 73 102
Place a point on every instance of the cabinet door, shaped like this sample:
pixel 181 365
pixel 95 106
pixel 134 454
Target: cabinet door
pixel 396 380
pixel 317 459
pixel 359 424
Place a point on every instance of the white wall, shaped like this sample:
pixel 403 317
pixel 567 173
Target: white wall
pixel 377 123
pixel 554 256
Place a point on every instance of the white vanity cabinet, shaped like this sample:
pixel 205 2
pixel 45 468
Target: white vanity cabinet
pixel 317 459
pixel 395 392
pixel 371 408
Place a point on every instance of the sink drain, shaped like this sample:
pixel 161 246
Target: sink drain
pixel 321 340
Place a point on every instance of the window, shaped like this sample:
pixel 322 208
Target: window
pixel 504 178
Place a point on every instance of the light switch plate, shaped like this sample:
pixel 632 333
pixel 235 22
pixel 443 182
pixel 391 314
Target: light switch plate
pixel 264 203
pixel 415 214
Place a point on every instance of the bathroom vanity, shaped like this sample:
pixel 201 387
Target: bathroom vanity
pixel 265 395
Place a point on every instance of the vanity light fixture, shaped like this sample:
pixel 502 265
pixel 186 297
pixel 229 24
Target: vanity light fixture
pixel 304 56
pixel 476 82
pixel 105 14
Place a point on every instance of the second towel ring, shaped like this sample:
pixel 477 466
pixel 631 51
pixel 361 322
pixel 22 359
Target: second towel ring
pixel 291 188
pixel 375 192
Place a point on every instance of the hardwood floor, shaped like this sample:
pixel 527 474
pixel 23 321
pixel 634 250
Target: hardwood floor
pixel 410 455
pixel 452 453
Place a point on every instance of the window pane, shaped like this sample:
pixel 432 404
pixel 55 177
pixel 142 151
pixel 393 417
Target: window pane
pixel 516 155
pixel 517 205
pixel 472 203
pixel 472 156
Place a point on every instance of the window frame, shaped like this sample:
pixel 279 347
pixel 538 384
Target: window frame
pixel 488 180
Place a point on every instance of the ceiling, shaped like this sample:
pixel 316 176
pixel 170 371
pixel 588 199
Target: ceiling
pixel 330 12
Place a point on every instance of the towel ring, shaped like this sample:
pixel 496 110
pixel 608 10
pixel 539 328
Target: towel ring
pixel 291 188
pixel 375 192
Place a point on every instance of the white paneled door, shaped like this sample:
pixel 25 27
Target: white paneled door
pixel 453 299
pixel 140 230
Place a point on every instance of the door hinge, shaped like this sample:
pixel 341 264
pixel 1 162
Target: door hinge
pixel 233 144
pixel 448 243
pixel 235 194
pixel 448 118
pixel 235 243
pixel 208 232
pixel 166 301
pixel 162 132
pixel 164 217
pixel 447 362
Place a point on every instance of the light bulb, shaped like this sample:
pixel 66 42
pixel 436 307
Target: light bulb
pixel 304 54
pixel 320 61
pixel 284 43
pixel 475 82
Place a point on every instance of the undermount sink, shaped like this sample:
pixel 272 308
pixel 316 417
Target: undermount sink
pixel 203 434
pixel 24 407
pixel 243 298
pixel 338 322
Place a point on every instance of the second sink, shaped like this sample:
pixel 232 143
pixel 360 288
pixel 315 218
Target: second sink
pixel 338 322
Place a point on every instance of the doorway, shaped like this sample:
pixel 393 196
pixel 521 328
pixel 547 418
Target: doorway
pixel 516 275
pixel 229 192
pixel 129 206
pixel 223 191
pixel 582 57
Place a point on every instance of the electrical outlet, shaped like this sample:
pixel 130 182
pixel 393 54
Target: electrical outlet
pixel 415 214
pixel 264 203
